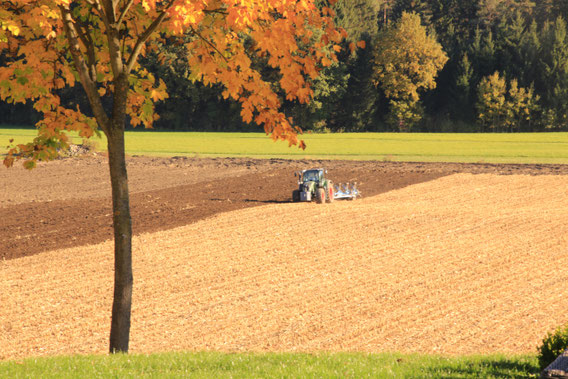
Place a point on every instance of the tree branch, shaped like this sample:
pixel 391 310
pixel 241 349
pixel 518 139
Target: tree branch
pixel 216 11
pixel 145 36
pixel 124 12
pixel 108 6
pixel 113 37
pixel 99 7
pixel 83 70
pixel 195 32
pixel 87 41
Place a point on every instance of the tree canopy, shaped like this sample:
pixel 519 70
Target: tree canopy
pixel 522 40
pixel 49 46
pixel 407 61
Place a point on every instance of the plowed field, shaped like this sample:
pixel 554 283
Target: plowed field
pixel 454 263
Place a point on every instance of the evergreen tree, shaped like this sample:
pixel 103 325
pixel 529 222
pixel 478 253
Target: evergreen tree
pixel 543 10
pixel 530 50
pixel 462 108
pixel 489 12
pixel 190 105
pixel 492 12
pixel 483 54
pixel 359 18
pixel 329 88
pixel 356 109
pixel 511 34
pixel 548 10
pixel 420 7
pixel 554 66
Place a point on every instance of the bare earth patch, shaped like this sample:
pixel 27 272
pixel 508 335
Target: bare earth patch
pixel 67 203
pixel 458 265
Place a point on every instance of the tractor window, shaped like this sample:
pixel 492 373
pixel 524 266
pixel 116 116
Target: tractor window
pixel 311 176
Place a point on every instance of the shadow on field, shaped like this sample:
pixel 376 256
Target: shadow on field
pixel 267 201
pixel 34 227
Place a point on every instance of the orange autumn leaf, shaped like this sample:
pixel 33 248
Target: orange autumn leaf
pixel 352 47
pixel 52 51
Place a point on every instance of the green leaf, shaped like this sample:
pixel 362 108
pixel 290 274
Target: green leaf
pixel 147 109
pixel 22 80
pixel 29 164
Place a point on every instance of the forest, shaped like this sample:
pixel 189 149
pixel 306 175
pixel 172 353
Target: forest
pixel 406 65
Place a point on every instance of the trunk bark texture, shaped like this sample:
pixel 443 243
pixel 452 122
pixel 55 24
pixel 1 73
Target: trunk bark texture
pixel 122 222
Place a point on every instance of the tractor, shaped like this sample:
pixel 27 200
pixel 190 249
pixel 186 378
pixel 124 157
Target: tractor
pixel 313 185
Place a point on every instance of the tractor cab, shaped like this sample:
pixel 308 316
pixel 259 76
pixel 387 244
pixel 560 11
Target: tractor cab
pixel 312 176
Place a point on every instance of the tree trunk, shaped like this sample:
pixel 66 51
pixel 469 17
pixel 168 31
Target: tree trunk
pixel 113 128
pixel 122 222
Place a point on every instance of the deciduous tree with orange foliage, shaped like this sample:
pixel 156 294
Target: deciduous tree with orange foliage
pixel 53 44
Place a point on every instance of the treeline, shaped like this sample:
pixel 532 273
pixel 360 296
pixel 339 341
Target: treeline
pixel 407 65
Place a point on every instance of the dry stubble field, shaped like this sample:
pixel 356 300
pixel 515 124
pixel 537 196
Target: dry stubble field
pixel 437 258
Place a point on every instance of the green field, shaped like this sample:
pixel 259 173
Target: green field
pixel 488 148
pixel 273 365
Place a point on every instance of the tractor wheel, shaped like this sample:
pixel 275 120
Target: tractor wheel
pixel 330 193
pixel 320 195
pixel 296 196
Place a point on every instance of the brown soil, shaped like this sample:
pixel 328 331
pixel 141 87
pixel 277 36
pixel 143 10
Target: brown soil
pixel 463 264
pixel 67 203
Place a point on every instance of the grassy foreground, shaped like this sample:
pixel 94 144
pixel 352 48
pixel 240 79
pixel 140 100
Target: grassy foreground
pixel 489 148
pixel 273 365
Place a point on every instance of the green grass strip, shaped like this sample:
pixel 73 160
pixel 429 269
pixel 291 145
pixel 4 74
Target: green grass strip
pixel 273 365
pixel 483 148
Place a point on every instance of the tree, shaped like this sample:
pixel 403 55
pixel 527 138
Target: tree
pixel 510 36
pixel 530 51
pixel 190 105
pixel 554 72
pixel 548 10
pixel 491 101
pixel 492 11
pixel 520 107
pixel 53 44
pixel 509 109
pixel 359 18
pixel 356 109
pixel 328 91
pixel 407 60
pixel 462 88
pixel 482 52
pixel 423 8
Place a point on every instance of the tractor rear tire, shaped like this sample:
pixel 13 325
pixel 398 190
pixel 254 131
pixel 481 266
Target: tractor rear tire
pixel 320 195
pixel 296 196
pixel 330 193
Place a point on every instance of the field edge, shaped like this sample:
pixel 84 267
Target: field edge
pixel 525 148
pixel 321 364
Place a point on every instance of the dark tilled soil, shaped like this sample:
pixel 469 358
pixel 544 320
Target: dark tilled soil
pixel 171 192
